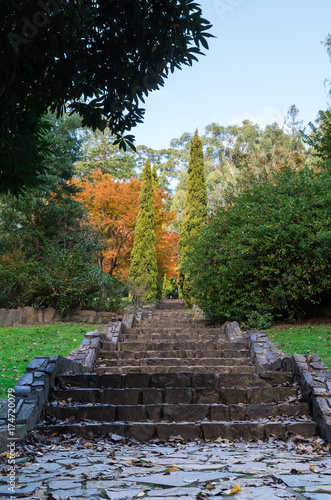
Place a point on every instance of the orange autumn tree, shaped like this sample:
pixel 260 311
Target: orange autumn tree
pixel 112 208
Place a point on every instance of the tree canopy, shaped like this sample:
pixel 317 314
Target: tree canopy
pixel 97 58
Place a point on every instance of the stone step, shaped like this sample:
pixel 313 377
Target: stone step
pixel 175 321
pixel 211 353
pixel 146 431
pixel 176 412
pixel 171 345
pixel 150 330
pixel 164 362
pixel 163 380
pixel 173 369
pixel 177 395
pixel 157 337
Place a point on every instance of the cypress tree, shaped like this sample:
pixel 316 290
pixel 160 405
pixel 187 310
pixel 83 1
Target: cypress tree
pixel 160 277
pixel 195 213
pixel 143 265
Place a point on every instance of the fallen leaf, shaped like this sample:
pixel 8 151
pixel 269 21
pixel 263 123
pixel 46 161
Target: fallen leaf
pixel 312 468
pixel 295 471
pixel 235 489
pixel 171 469
pixel 210 486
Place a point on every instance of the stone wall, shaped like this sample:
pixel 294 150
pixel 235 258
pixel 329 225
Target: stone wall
pixel 312 374
pixel 32 390
pixel 41 316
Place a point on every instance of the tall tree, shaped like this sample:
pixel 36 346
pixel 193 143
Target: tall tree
pixel 99 57
pixel 195 212
pixel 166 242
pixel 143 265
pixel 319 140
pixel 98 152
pixel 112 209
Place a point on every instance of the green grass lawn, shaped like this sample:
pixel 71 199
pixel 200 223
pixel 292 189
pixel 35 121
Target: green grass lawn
pixel 19 345
pixel 303 340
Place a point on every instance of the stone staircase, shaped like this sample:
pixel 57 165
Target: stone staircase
pixel 173 376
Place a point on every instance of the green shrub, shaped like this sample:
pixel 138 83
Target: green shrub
pixel 266 252
pixel 64 279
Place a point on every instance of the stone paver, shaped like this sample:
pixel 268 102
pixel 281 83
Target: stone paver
pixel 64 467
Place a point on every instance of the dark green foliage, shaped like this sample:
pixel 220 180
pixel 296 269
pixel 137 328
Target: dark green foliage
pixel 195 212
pixel 98 152
pixel 46 258
pixel 143 265
pixel 320 139
pixel 267 252
pixel 99 58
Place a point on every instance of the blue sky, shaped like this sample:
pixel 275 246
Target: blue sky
pixel 267 56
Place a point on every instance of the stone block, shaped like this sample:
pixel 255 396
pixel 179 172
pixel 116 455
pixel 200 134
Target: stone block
pixel 38 363
pixel 95 343
pixel 2 315
pixel 171 380
pixel 220 412
pixel 111 380
pixel 28 414
pixel 152 396
pixel 204 380
pixel 299 358
pixel 234 395
pixel 122 396
pixel 137 380
pixel 90 359
pixel 237 412
pixel 154 412
pixel 303 428
pixel 274 429
pixel 206 395
pixel 132 413
pixel 320 409
pixel 30 315
pixel 256 411
pixel 49 314
pixel 213 430
pixel 142 432
pixel 4 411
pixel 187 431
pixel 22 390
pixel 115 428
pixel 183 412
pixel 10 317
pixel 85 342
pixel 293 410
pixel 178 395
pixel 250 431
pixel 40 315
pixel 26 379
pixel 306 382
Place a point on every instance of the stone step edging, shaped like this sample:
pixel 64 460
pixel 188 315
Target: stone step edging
pixel 313 375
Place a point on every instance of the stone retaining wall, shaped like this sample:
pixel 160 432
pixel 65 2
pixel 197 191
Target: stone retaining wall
pixel 32 390
pixel 41 316
pixel 312 374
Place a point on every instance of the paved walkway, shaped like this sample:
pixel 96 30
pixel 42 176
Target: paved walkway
pixel 114 468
